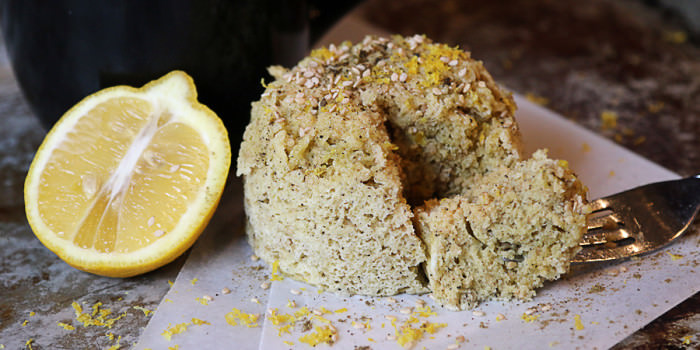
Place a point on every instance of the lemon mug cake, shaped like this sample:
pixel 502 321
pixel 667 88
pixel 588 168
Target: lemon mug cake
pixel 344 148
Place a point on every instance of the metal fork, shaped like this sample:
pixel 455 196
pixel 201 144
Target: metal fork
pixel 639 220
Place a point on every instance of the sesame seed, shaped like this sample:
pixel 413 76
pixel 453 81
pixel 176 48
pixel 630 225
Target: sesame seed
pixel 334 337
pixel 360 67
pixel 466 87
pixel 225 291
pixel 391 300
pixel 437 91
pixel 445 59
pixel 452 346
pixel 158 233
pixel 309 84
pixel 478 313
pixel 295 291
pixel 460 339
pixel 390 318
pixel 366 73
pixel 317 312
pixel 406 310
pixel 346 83
pixel 207 298
pixel 403 77
pixel 358 325
pixel 255 300
pixel 332 328
pixel 254 257
pixel 420 302
pixel 394 77
pixel 500 316
pixel 391 337
pixel 265 285
pixel 453 63
pixel 355 70
pixel 530 311
pixel 546 307
pixel 308 74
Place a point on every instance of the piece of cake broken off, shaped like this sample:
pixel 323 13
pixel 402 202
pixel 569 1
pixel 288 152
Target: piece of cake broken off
pixel 514 229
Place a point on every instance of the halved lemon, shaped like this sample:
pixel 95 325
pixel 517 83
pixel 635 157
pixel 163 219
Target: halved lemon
pixel 128 178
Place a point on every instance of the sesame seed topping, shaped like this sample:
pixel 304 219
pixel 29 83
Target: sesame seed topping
pixel 391 300
pixel 358 325
pixel 530 311
pixel 546 307
pixel 406 310
pixel 445 59
pixel 317 312
pixel 460 339
pixel 390 318
pixel 453 63
pixel 452 346
pixel 394 77
pixel 346 83
pixel 403 77
pixel 420 302
pixel 265 285
pixel 225 291
pixel 295 291
pixel 366 73
pixel 255 300
pixel 478 313
pixel 207 298
pixel 391 337
pixel 437 91
pixel 334 337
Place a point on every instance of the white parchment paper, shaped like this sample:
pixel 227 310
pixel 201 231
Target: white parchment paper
pixel 594 307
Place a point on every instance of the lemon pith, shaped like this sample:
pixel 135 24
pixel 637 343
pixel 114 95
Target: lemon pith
pixel 128 178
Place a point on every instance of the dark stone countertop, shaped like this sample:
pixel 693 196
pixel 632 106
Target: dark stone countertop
pixel 581 58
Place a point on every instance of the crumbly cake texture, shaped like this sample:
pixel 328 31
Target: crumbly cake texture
pixel 340 146
pixel 514 229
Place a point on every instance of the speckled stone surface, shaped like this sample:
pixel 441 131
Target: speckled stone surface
pixel 582 58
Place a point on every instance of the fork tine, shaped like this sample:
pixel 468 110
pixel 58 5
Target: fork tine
pixel 605 236
pixel 610 221
pixel 599 204
pixel 604 253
